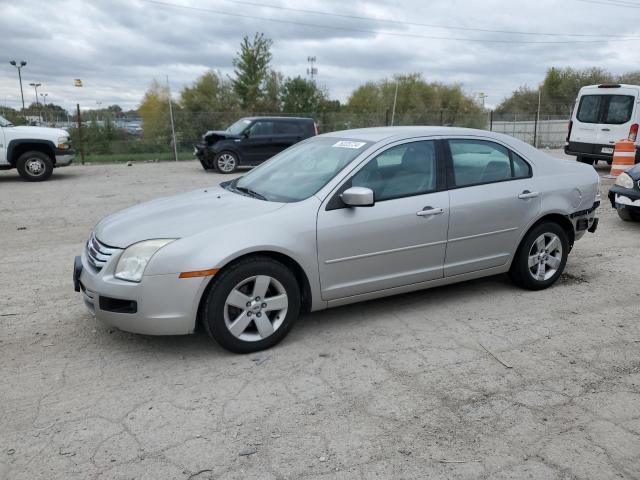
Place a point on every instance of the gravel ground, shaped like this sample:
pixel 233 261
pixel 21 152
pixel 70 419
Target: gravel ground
pixel 394 388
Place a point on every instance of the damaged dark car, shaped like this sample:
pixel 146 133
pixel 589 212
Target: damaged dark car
pixel 625 195
pixel 250 141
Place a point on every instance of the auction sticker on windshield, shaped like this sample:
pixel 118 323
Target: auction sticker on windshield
pixel 347 144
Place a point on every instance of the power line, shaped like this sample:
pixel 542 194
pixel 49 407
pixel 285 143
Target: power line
pixel 379 32
pixel 613 3
pixel 416 24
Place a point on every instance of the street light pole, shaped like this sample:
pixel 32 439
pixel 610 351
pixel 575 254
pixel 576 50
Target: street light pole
pixel 19 67
pixel 44 104
pixel 35 87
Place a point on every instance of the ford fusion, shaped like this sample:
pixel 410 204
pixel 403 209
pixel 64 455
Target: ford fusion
pixel 336 219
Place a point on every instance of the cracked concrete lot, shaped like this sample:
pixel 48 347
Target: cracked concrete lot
pixel 394 388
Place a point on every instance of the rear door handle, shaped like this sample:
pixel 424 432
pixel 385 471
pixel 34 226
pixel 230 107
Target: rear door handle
pixel 527 194
pixel 428 211
pixel 606 129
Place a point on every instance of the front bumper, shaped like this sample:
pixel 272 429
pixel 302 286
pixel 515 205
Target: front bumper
pixel 158 305
pixel 64 157
pixel 624 198
pixel 205 154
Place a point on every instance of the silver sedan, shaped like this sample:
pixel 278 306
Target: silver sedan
pixel 339 218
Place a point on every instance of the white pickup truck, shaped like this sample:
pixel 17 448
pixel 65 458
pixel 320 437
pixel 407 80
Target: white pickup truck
pixel 34 151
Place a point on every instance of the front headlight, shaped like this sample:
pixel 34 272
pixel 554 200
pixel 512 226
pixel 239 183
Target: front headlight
pixel 63 143
pixel 134 259
pixel 624 181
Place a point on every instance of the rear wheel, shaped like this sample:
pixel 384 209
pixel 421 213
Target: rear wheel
pixel 541 257
pixel 252 305
pixel 34 166
pixel 226 162
pixel 588 161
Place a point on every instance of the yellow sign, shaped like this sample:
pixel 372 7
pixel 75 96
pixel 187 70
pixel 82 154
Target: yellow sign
pixel 77 82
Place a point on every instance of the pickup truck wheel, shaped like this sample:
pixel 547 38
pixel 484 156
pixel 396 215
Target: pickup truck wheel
pixel 541 257
pixel 226 162
pixel 251 305
pixel 34 166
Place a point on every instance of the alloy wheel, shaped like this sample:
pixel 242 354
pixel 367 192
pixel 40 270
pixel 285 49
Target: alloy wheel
pixel 226 162
pixel 545 256
pixel 255 308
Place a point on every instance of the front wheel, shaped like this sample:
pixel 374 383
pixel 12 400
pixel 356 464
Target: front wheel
pixel 628 215
pixel 34 166
pixel 252 305
pixel 226 162
pixel 541 257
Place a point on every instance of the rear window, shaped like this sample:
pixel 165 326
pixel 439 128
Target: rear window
pixel 612 109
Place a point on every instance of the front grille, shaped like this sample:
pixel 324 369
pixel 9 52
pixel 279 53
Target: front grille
pixel 98 253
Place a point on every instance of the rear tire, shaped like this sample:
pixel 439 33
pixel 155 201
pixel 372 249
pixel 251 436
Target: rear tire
pixel 585 160
pixel 628 215
pixel 34 166
pixel 252 305
pixel 541 257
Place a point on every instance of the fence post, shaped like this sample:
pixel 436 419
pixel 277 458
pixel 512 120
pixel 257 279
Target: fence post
pixel 535 129
pixel 491 120
pixel 80 133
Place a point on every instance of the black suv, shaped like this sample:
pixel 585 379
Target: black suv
pixel 251 140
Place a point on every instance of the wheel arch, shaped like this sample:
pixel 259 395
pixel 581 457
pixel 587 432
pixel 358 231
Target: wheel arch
pixel 555 217
pixel 227 147
pixel 293 265
pixel 18 147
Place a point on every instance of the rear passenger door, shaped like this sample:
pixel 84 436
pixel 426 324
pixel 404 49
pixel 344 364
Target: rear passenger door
pixel 286 134
pixel 491 201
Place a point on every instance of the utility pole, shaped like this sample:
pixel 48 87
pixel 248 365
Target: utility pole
pixel 395 99
pixel 312 71
pixel 535 126
pixel 19 66
pixel 482 96
pixel 44 105
pixel 173 129
pixel 35 86
pixel 79 119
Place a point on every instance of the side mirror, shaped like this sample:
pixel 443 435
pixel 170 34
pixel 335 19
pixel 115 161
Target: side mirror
pixel 246 133
pixel 358 197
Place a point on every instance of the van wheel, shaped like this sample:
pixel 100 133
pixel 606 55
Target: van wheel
pixel 34 166
pixel 541 257
pixel 588 161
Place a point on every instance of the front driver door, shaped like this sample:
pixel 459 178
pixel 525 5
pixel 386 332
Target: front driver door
pixel 398 241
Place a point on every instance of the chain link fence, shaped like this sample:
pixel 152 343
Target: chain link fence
pixel 109 139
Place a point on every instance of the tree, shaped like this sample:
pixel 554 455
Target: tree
pixel 300 95
pixel 251 68
pixel 522 100
pixel 271 99
pixel 154 111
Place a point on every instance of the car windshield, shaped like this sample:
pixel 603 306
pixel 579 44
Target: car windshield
pixel 4 122
pixel 239 127
pixel 300 171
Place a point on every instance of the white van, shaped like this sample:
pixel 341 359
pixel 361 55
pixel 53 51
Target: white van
pixel 602 115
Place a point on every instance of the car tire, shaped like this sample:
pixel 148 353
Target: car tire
pixel 243 319
pixel 537 266
pixel 226 162
pixel 34 166
pixel 585 160
pixel 628 215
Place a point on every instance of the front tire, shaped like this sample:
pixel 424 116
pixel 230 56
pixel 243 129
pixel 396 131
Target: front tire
pixel 252 305
pixel 226 162
pixel 628 215
pixel 34 166
pixel 541 257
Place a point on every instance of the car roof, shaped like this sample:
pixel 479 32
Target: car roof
pixel 378 134
pixel 279 118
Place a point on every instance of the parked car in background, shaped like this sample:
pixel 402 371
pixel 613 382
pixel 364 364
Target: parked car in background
pixel 625 195
pixel 603 114
pixel 33 151
pixel 336 219
pixel 250 141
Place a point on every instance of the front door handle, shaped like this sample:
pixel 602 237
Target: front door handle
pixel 606 129
pixel 527 194
pixel 428 211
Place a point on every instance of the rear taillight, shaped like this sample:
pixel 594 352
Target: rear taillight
pixel 569 131
pixel 633 132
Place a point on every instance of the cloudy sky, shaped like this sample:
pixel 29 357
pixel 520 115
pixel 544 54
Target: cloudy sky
pixel 118 46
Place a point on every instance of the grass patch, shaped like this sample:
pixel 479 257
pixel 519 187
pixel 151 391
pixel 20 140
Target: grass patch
pixel 135 157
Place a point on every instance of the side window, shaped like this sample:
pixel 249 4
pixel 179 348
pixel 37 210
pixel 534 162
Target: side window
pixel 401 171
pixel 619 109
pixel 262 128
pixel 589 109
pixel 478 161
pixel 288 128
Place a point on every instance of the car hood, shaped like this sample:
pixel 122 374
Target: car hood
pixel 38 132
pixel 180 216
pixel 634 172
pixel 213 136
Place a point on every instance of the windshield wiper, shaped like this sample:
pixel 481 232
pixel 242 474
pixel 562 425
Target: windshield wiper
pixel 250 192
